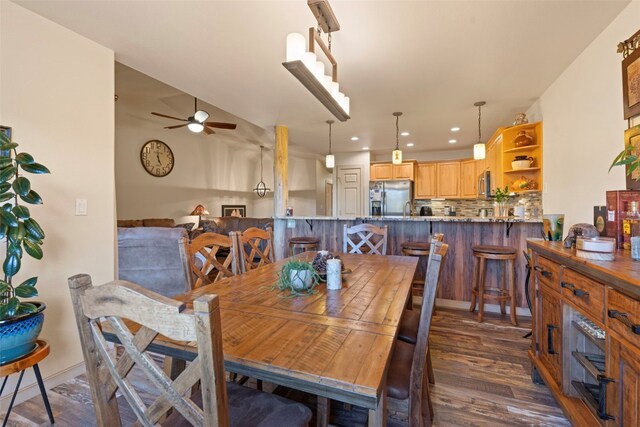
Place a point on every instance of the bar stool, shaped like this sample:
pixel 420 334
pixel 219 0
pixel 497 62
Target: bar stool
pixel 20 365
pixel 304 243
pixel 419 249
pixel 506 291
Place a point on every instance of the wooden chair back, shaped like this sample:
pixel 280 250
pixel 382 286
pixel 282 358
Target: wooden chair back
pixel 417 386
pixel 118 301
pixel 253 248
pixel 206 248
pixel 365 239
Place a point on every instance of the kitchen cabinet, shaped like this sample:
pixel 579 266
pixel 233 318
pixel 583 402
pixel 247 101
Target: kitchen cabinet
pixel 426 181
pixel 388 171
pixel 381 172
pixel 508 151
pixel 448 180
pixel 468 179
pixel 549 329
pixel 622 397
pixel 494 163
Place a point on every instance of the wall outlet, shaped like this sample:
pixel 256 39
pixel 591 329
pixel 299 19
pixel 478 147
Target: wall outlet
pixel 291 223
pixel 81 207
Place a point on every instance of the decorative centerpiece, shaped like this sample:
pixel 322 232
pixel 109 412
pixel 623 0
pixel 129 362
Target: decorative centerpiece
pixel 320 263
pixel 20 322
pixel 299 278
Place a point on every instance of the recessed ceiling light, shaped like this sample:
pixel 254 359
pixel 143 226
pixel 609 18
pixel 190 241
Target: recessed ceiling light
pixel 453 141
pixel 410 144
pixel 354 138
pixel 405 133
pixel 455 129
pixel 365 148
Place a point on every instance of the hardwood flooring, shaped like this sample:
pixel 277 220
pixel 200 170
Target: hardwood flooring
pixel 481 370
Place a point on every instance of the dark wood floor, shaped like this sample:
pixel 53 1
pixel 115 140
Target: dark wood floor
pixel 481 370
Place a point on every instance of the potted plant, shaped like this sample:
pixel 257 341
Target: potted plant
pixel 501 198
pixel 298 277
pixel 20 322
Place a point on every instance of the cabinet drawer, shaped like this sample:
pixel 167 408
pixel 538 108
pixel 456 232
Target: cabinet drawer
pixel 624 316
pixel 584 293
pixel 548 273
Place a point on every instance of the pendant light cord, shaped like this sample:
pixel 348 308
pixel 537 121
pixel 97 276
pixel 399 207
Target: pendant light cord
pixel 330 137
pixel 261 180
pixel 479 119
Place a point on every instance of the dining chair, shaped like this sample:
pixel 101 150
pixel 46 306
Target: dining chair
pixel 203 253
pixel 365 239
pixel 407 385
pixel 215 403
pixel 253 249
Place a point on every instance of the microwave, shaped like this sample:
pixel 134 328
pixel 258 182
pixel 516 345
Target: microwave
pixel 484 185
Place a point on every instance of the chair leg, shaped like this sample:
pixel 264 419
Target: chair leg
pixel 13 398
pixel 425 403
pixel 475 285
pixel 504 278
pixel 43 392
pixel 324 412
pixel 512 286
pixel 430 374
pixel 481 290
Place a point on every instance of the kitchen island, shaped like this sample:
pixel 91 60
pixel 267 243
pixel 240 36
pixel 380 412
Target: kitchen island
pixel 461 233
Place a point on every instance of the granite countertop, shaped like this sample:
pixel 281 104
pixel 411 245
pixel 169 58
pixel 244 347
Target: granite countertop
pixel 417 218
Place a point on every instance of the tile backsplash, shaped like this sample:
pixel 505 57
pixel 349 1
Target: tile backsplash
pixel 470 207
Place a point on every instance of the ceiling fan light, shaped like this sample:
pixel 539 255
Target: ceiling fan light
pixel 201 116
pixel 479 151
pixel 330 161
pixel 195 127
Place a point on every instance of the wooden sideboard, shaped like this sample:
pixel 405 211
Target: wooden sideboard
pixel 586 337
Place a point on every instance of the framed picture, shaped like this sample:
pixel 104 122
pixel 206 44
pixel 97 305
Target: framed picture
pixel 234 210
pixel 632 137
pixel 631 84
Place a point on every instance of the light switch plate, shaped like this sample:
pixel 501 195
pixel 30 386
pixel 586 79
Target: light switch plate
pixel 81 207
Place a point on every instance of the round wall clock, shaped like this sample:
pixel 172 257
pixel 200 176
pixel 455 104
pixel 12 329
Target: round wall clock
pixel 157 158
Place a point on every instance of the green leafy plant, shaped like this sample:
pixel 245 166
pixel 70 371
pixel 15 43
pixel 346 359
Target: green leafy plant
pixel 21 232
pixel 502 195
pixel 294 271
pixel 628 156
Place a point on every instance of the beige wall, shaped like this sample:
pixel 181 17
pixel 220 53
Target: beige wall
pixel 57 94
pixel 583 125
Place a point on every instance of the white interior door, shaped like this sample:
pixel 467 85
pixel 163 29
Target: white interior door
pixel 349 191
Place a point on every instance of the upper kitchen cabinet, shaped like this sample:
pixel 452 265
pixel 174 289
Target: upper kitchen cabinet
pixel 388 171
pixel 448 179
pixel 493 161
pixel 522 157
pixel 426 181
pixel 469 178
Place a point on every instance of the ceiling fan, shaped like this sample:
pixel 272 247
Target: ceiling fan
pixel 197 123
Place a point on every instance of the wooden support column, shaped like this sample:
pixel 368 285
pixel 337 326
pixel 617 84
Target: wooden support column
pixel 281 172
pixel 281 185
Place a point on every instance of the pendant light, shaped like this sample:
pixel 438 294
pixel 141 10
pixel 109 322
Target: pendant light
pixel 261 188
pixel 396 156
pixel 479 148
pixel 330 160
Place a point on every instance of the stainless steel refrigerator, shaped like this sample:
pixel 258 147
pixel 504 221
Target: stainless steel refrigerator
pixel 388 198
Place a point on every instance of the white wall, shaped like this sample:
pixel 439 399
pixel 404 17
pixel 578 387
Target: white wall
pixel 583 125
pixel 57 94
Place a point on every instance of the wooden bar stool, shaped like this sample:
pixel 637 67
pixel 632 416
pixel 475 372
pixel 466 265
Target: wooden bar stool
pixel 419 249
pixel 304 243
pixel 20 365
pixel 506 291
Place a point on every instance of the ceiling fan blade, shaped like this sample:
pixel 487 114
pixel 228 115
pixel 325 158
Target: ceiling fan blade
pixel 208 131
pixel 169 117
pixel 221 125
pixel 176 126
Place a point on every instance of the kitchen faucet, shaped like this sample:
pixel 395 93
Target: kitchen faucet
pixel 404 209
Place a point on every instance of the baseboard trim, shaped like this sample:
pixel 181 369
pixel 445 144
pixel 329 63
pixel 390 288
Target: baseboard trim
pixel 29 386
pixel 464 305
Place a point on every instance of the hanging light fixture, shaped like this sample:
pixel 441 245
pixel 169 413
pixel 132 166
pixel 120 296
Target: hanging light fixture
pixel 330 160
pixel 479 148
pixel 261 188
pixel 396 157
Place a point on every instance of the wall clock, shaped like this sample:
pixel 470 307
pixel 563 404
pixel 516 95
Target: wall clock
pixel 157 158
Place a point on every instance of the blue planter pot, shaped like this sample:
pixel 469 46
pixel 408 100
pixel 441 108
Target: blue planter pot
pixel 18 335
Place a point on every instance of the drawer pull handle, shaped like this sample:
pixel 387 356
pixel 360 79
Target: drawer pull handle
pixel 542 271
pixel 550 348
pixel 624 318
pixel 576 291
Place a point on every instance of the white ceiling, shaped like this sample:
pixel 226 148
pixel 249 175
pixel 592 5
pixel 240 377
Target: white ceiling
pixel 429 59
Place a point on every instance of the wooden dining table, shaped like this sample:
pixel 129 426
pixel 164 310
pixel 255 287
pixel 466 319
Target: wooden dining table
pixel 336 344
